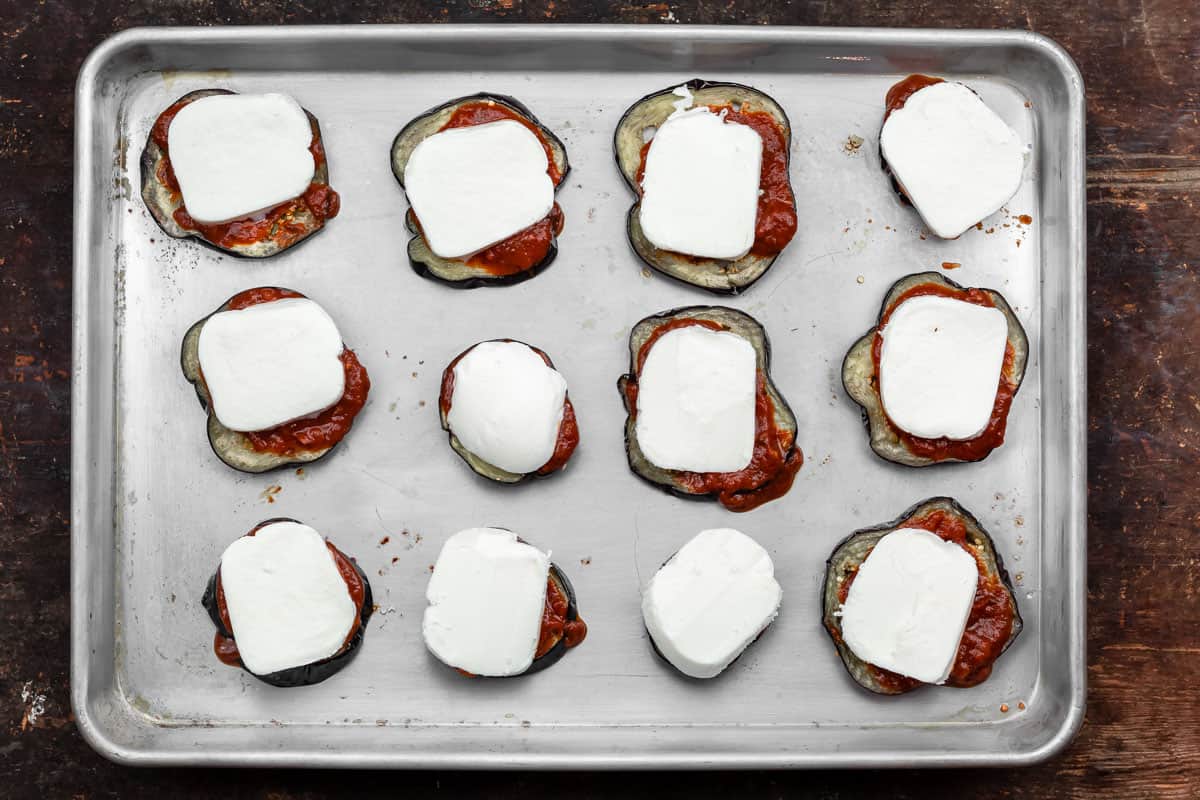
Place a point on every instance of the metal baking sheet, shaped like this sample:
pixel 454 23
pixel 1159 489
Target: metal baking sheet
pixel 153 509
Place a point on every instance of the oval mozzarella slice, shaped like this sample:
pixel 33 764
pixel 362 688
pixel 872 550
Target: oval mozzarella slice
pixel 288 603
pixel 507 405
pixel 271 363
pixel 474 186
pixel 696 401
pixel 235 155
pixel 700 186
pixel 939 368
pixel 486 598
pixel 710 601
pixel 957 160
pixel 909 604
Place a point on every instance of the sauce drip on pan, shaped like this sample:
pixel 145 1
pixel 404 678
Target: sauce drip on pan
pixel 282 224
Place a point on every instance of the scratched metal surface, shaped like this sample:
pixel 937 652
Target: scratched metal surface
pixel 152 507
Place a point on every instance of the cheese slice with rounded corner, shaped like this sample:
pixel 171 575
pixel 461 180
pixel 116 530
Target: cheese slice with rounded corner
pixel 235 155
pixel 956 159
pixel 696 401
pixel 474 186
pixel 710 601
pixel 271 363
pixel 939 368
pixel 507 405
pixel 486 597
pixel 288 603
pixel 909 604
pixel 700 186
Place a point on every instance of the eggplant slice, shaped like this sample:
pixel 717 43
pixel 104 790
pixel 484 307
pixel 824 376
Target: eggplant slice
pixel 477 464
pixel 858 372
pixel 722 276
pixel 305 674
pixel 233 447
pixel 163 203
pixel 734 321
pixel 852 551
pixel 453 272
pixel 552 656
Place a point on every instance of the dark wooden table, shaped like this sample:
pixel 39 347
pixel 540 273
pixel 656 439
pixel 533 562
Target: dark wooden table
pixel 1141 61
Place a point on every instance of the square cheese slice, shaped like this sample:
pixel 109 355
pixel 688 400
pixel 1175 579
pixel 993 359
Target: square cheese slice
pixel 909 604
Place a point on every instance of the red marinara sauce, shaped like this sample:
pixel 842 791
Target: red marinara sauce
pixel 992 437
pixel 278 224
pixel 225 647
pixel 527 248
pixel 555 625
pixel 324 429
pixel 989 624
pixel 568 428
pixel 898 95
pixel 776 222
pixel 775 461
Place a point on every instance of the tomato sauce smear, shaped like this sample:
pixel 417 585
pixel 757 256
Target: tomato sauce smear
pixel 528 248
pixel 319 431
pixel 568 428
pixel 555 625
pixel 775 460
pixel 225 646
pixel 992 436
pixel 281 224
pixel 776 220
pixel 989 625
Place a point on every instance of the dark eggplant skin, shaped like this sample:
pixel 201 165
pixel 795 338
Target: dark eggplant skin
pixel 452 272
pixel 858 372
pixel 305 674
pixel 162 203
pixel 735 321
pixel 849 554
pixel 720 276
pixel 230 446
pixel 478 465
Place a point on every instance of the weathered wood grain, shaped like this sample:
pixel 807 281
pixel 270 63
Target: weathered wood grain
pixel 1141 62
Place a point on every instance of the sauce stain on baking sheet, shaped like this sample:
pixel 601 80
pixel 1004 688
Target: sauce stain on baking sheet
pixel 269 493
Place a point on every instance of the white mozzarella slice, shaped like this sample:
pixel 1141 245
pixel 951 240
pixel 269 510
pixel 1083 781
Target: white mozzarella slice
pixel 696 401
pixel 710 601
pixel 474 186
pixel 700 187
pixel 486 598
pixel 271 363
pixel 235 155
pixel 288 603
pixel 909 604
pixel 957 160
pixel 939 368
pixel 507 405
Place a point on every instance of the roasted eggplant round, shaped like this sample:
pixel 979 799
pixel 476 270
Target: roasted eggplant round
pixel 305 674
pixel 568 431
pixel 473 272
pixel 860 377
pixel 237 449
pixel 272 232
pixel 994 623
pixel 630 143
pixel 776 458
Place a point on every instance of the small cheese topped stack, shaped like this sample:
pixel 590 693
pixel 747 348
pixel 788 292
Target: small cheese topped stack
pixel 271 363
pixel 700 186
pixel 696 401
pixel 955 158
pixel 940 365
pixel 486 598
pixel 909 604
pixel 288 603
pixel 710 601
pixel 475 186
pixel 236 155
